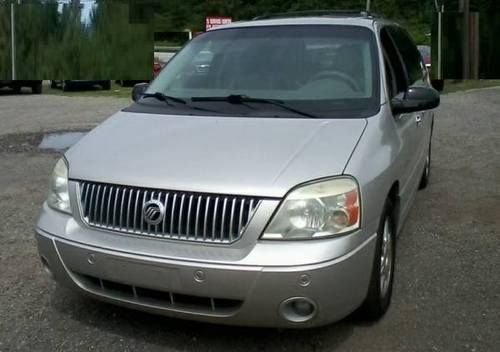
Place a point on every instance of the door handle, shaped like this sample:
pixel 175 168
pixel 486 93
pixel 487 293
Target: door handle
pixel 418 119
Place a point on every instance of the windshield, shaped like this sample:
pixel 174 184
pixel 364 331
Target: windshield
pixel 327 70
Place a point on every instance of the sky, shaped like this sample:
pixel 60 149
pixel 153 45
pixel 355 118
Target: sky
pixel 88 5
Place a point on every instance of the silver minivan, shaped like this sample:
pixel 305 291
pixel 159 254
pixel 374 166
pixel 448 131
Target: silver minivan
pixel 267 189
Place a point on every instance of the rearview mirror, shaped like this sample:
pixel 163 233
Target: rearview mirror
pixel 415 99
pixel 139 90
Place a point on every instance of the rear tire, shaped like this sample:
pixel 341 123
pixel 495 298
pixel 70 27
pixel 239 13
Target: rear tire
pixel 53 84
pixel 37 88
pixel 379 294
pixel 106 85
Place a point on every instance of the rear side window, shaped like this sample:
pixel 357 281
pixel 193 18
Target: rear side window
pixel 395 70
pixel 409 53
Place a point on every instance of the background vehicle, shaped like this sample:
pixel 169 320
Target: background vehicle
pixel 69 84
pixel 36 86
pixel 129 82
pixel 157 67
pixel 425 51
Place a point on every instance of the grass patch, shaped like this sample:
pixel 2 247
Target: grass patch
pixel 451 86
pixel 116 91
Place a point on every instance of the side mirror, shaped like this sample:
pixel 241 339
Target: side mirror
pixel 139 90
pixel 415 99
pixel 438 84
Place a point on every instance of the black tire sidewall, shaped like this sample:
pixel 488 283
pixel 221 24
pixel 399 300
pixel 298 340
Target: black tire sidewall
pixel 424 181
pixel 430 160
pixel 376 304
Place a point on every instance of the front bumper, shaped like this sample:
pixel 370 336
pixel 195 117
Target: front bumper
pixel 238 293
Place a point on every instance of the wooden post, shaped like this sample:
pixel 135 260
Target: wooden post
pixel 464 7
pixel 440 42
pixel 13 41
pixel 474 45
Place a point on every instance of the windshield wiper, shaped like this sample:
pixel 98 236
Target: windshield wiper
pixel 242 99
pixel 162 97
pixel 167 98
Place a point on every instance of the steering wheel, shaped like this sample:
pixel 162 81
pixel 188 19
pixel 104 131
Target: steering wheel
pixel 338 76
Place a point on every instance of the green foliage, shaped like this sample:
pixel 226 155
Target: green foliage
pixel 118 44
pixel 53 44
pixel 5 53
pixel 176 15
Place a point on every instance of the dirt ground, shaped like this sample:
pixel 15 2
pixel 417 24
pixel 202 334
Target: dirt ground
pixel 447 288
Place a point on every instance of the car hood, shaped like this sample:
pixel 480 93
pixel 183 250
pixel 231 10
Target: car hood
pixel 244 156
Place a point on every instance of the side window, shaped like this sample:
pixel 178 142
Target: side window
pixel 395 70
pixel 409 53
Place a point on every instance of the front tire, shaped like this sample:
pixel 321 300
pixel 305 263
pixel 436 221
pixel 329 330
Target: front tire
pixel 380 290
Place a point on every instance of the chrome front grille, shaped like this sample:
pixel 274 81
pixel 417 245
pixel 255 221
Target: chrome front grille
pixel 187 216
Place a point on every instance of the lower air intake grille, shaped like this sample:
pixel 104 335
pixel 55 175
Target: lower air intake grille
pixel 159 298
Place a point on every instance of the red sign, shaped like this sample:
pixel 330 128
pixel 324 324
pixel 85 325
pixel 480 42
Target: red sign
pixel 212 22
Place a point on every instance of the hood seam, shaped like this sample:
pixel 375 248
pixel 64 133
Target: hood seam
pixel 297 152
pixel 355 146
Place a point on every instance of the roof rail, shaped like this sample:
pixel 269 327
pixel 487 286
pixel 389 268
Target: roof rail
pixel 317 13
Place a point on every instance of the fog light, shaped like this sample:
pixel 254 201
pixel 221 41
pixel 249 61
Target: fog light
pixel 302 307
pixel 298 309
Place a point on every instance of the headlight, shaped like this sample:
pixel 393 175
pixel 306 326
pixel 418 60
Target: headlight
pixel 58 190
pixel 326 208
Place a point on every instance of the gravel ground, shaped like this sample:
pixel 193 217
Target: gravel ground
pixel 27 113
pixel 447 289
